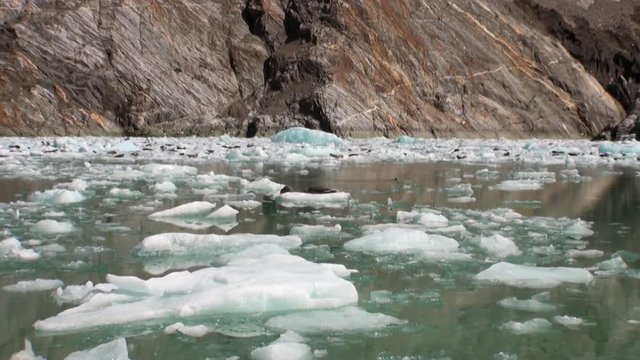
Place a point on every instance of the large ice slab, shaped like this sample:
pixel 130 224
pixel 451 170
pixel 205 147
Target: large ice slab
pixel 192 209
pixel 296 199
pixel 345 320
pixel 273 282
pixel 533 277
pixel 405 241
pixel 306 136
pixel 182 243
pixel 114 350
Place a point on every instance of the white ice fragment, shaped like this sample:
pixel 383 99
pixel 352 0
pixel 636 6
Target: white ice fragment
pixel 114 350
pixel 193 331
pixel 307 136
pixel 432 220
pixel 49 226
pixel 262 186
pixel 244 204
pixel 26 354
pixel 404 241
pixel 568 321
pixel 57 196
pixel 164 171
pixel 546 177
pixel 7 246
pixel 316 232
pixel 345 320
pixel 225 214
pixel 180 243
pixel 405 217
pixel 578 229
pixel 615 263
pixel 33 285
pixel 125 147
pixel 76 294
pixel 519 185
pixel 192 209
pixel 75 185
pixel 533 326
pixel 163 187
pixel 589 254
pixel 271 283
pixel 461 199
pixel 499 246
pixel 533 277
pixel 277 351
pixel 529 305
pixel 124 193
pixel 331 200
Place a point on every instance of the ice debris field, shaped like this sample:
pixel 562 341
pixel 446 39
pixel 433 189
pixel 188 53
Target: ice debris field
pixel 140 238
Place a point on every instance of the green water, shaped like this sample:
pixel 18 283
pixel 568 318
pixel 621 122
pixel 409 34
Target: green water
pixel 449 314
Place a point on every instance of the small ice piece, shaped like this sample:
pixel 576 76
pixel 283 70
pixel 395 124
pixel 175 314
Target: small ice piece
pixel 306 136
pixel 75 185
pixel 578 229
pixel 460 190
pixel 225 214
pixel 114 350
pixel 163 187
pixel 262 186
pixel 615 263
pixel 568 321
pixel 316 232
pixel 74 294
pixel 486 174
pixel 27 353
pixel 530 305
pixel 126 146
pixel 404 241
pixel 285 350
pixel 33 285
pixel 405 217
pixel 332 200
pixel 533 326
pixel 49 226
pixel 7 246
pixel 589 254
pixel 461 200
pixel 499 246
pixel 124 193
pixel 546 177
pixel 533 277
pixel 182 243
pixel 345 320
pixel 192 209
pixel 193 331
pixel 519 185
pixel 432 220
pixel 244 204
pixel 57 196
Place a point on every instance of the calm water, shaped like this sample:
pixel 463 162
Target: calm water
pixel 449 314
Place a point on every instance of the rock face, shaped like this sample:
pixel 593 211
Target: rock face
pixel 356 68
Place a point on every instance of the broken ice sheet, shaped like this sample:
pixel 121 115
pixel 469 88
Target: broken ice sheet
pixel 533 277
pixel 114 350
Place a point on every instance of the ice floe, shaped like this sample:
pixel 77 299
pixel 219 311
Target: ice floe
pixel 499 246
pixel 528 305
pixel 316 232
pixel 26 286
pixel 183 243
pixel 12 248
pixel 246 285
pixel 519 185
pixel 533 277
pixel 192 209
pixel 57 196
pixel 533 326
pixel 568 321
pixel 114 350
pixel 288 346
pixel 306 136
pixel 332 200
pixel 189 330
pixel 49 226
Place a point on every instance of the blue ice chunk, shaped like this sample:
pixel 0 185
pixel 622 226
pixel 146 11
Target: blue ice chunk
pixel 630 148
pixel 406 140
pixel 125 146
pixel 306 136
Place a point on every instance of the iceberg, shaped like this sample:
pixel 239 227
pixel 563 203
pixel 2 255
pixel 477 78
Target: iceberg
pixel 568 321
pixel 270 283
pixel 519 185
pixel 52 227
pixel 345 320
pixel 193 331
pixel 12 248
pixel 183 243
pixel 262 186
pixel 533 326
pixel 306 136
pixel 57 196
pixel 499 246
pixel 316 232
pixel 289 346
pixel 336 200
pixel 225 214
pixel 114 350
pixel 33 285
pixel 163 187
pixel 533 277
pixel 529 305
pixel 192 209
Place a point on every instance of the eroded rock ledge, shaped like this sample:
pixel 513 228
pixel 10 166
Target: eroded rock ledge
pixel 437 68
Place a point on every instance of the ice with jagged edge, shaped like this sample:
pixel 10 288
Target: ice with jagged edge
pixel 289 345
pixel 113 350
pixel 533 277
pixel 270 283
pixel 12 248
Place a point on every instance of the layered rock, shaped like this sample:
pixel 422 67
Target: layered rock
pixel 253 67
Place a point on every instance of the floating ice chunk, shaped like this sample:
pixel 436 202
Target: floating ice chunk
pixel 568 321
pixel 75 185
pixel 615 263
pixel 27 353
pixel 589 254
pixel 262 186
pixel 432 220
pixel 405 140
pixel 628 148
pixel 181 243
pixel 316 232
pixel 124 193
pixel 486 174
pixel 7 246
pixel 225 214
pixel 405 217
pixel 76 294
pixel 163 187
pixel 285 350
pixel 529 305
pixel 331 200
pixel 460 190
pixel 125 147
pixel 244 204
pixel 57 196
pixel 345 320
pixel 578 229
pixel 461 200
pixel 114 350
pixel 33 285
pixel 404 241
pixel 546 177
pixel 533 277
pixel 519 185
pixel 164 170
pixel 52 227
pixel 533 326
pixel 192 209
pixel 307 136
pixel 266 284
pixel 193 331
pixel 499 246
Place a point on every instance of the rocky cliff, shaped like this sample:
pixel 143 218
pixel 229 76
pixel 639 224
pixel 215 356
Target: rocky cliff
pixel 437 68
